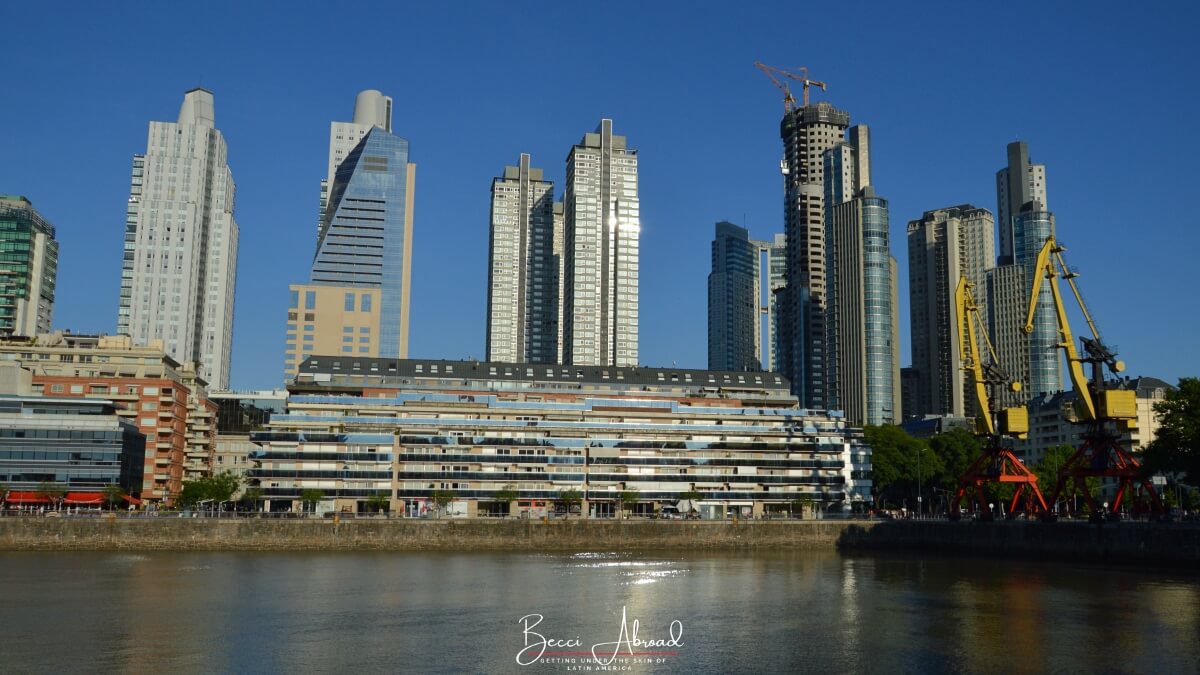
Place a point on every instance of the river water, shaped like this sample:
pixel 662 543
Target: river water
pixel 462 612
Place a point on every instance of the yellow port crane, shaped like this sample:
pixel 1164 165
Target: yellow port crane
pixel 799 75
pixel 1105 412
pixel 995 425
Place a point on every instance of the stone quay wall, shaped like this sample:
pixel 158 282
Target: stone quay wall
pixel 253 534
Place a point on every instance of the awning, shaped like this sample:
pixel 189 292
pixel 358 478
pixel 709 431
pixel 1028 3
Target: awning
pixel 84 498
pixel 131 500
pixel 16 497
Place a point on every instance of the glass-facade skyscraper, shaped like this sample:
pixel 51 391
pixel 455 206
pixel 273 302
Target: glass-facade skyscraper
pixel 1033 226
pixel 735 300
pixel 861 353
pixel 181 242
pixel 28 268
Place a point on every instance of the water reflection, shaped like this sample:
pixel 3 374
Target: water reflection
pixel 434 612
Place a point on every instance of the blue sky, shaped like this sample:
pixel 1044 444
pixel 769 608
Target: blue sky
pixel 1103 92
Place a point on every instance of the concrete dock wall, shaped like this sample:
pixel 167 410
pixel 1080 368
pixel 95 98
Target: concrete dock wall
pixel 1131 542
pixel 402 535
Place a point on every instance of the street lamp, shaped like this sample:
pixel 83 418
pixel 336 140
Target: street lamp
pixel 919 452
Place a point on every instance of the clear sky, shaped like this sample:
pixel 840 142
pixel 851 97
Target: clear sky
pixel 1105 94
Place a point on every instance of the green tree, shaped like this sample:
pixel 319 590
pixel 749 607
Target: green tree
pixel 54 492
pixel 250 497
pixel 378 502
pixel 1176 446
pixel 956 449
pixel 216 488
pixel 441 499
pixel 1047 470
pixel 112 495
pixel 506 496
pixel 802 505
pixel 3 493
pixel 310 498
pixel 570 497
pixel 629 498
pixel 901 466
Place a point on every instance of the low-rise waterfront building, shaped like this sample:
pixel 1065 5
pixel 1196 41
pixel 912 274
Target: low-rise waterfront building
pixel 166 400
pixel 407 429
pixel 238 414
pixel 79 446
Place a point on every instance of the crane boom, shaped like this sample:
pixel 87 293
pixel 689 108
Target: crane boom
pixel 801 76
pixel 968 347
pixel 1046 267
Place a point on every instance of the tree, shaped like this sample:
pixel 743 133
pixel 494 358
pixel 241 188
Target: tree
pixel 3 493
pixel 899 464
pixel 507 495
pixel 310 498
pixel 1047 472
pixel 1176 446
pixel 629 499
pixel 802 505
pixel 112 495
pixel 216 488
pixel 250 498
pixel 54 492
pixel 441 499
pixel 570 497
pixel 378 501
pixel 956 449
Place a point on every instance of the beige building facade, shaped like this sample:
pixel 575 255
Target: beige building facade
pixel 331 320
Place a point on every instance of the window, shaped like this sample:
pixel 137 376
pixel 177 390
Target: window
pixel 77 389
pixel 349 307
pixel 310 300
pixel 56 388
pixel 295 303
pixel 366 302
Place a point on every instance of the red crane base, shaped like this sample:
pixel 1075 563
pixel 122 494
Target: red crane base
pixel 998 465
pixel 1102 456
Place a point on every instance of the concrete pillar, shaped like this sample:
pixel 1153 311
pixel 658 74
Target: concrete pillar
pixel 472 508
pixel 756 510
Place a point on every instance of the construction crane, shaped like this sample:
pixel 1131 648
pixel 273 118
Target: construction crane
pixel 996 464
pixel 1105 412
pixel 799 75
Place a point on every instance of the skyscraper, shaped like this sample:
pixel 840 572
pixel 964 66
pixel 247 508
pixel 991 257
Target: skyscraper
pixel 371 109
pixel 602 224
pixel 181 242
pixel 523 275
pixel 734 300
pixel 807 132
pixel 363 258
pixel 1024 223
pixel 1033 226
pixel 860 351
pixel 1016 185
pixel 776 281
pixel 28 268
pixel 944 246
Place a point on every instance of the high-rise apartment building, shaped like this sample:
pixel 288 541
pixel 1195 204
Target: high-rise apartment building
pixel 602 225
pixel 1007 302
pixel 944 246
pixel 523 269
pixel 807 132
pixel 860 350
pixel 371 109
pixel 28 268
pixel 357 298
pixel 1016 185
pixel 181 242
pixel 560 262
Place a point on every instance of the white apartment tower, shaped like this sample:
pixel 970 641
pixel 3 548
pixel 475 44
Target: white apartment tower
pixel 181 242
pixel 602 225
pixel 523 274
pixel 371 109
